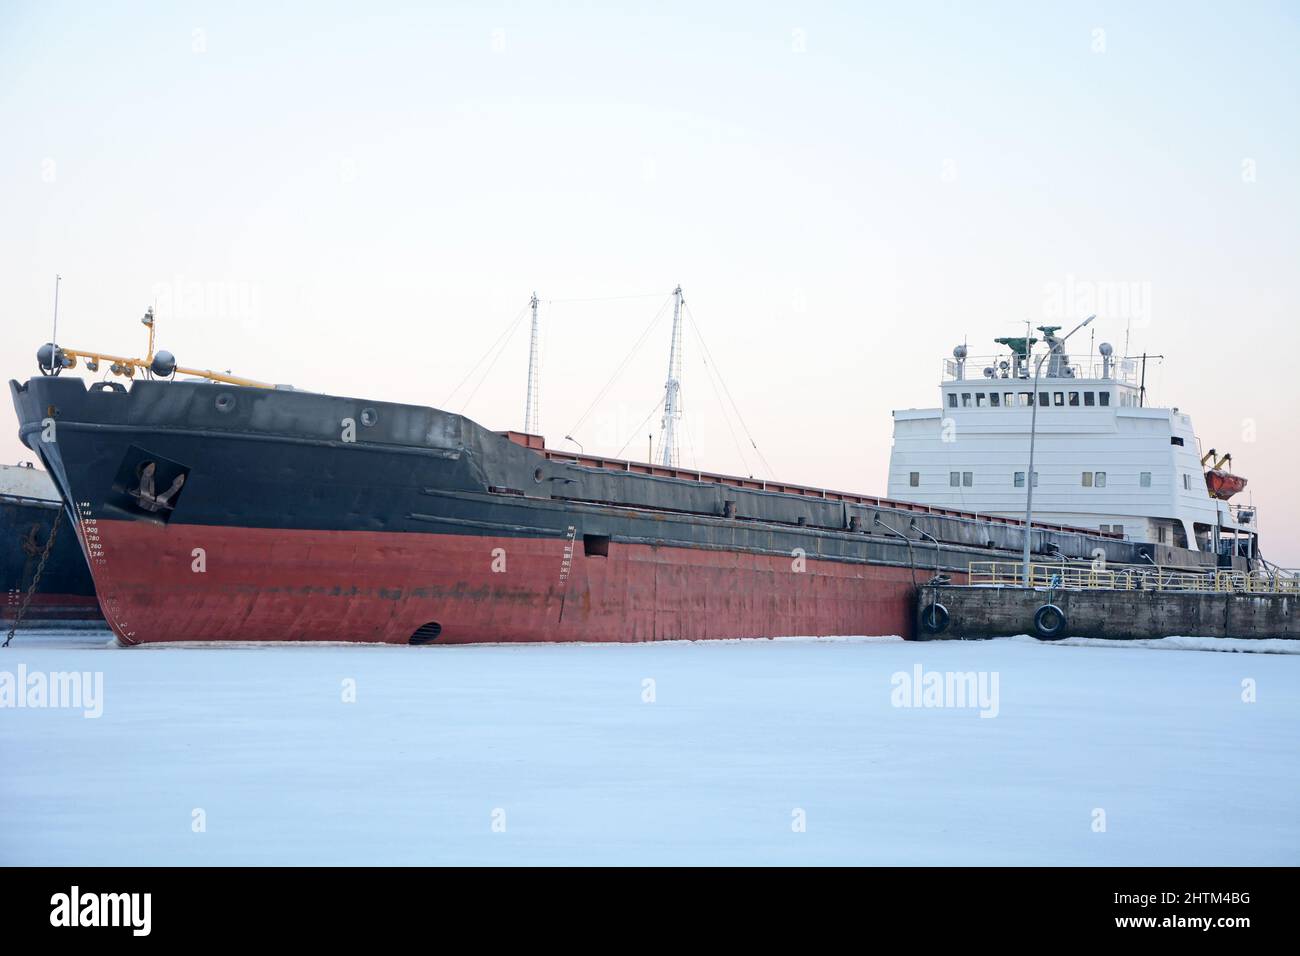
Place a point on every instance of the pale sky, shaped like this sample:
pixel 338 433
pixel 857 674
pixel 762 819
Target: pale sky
pixel 361 202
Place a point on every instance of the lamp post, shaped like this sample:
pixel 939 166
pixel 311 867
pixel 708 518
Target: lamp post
pixel 1029 475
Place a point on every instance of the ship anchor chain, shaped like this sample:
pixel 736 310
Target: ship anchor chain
pixel 36 578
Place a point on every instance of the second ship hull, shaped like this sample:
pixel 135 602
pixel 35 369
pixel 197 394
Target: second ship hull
pixel 64 593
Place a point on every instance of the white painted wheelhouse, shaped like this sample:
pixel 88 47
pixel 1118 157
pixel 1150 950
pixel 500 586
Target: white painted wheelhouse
pixel 1103 457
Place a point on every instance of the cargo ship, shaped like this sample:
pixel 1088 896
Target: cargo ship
pixel 222 509
pixel 46 581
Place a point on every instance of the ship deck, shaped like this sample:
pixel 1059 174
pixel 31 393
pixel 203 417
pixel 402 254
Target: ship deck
pixel 537 444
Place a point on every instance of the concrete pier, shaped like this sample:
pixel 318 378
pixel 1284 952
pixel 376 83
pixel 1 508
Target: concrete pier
pixel 979 612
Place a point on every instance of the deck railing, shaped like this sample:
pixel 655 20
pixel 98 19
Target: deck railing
pixel 1122 371
pixel 1133 577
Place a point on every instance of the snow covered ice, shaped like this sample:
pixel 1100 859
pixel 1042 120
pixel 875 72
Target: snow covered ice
pixel 566 754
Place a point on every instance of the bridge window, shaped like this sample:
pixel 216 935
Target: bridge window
pixel 1100 479
pixel 1187 482
pixel 914 479
pixel 1176 440
pixel 1009 400
pixel 1103 398
pixel 979 399
pixel 995 399
pixel 1144 479
pixel 1059 399
pixel 954 479
pixel 1020 479
pixel 965 399
pixel 1026 399
pixel 1044 399
pixel 967 478
pixel 1087 479
pixel 1089 398
pixel 952 399
pixel 1074 399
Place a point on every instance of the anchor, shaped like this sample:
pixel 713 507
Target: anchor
pixel 145 495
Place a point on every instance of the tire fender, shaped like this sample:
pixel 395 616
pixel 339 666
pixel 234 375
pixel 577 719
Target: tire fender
pixel 934 618
pixel 1050 622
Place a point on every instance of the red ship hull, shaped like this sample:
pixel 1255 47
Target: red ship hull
pixel 277 585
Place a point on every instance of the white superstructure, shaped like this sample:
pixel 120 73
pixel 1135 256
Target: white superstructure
pixel 1103 458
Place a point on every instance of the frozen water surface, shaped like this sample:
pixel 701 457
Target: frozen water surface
pixel 788 751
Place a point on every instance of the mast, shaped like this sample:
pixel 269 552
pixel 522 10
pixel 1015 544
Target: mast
pixel 672 388
pixel 530 411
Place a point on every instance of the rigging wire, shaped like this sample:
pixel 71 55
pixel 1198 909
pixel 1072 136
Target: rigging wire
pixel 608 298
pixel 690 442
pixel 740 418
pixel 637 431
pixel 500 352
pixel 622 366
pixel 726 418
pixel 491 348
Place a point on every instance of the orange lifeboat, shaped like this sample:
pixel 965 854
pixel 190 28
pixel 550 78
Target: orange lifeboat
pixel 1223 484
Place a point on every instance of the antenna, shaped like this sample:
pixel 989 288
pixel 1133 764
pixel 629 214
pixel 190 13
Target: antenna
pixel 54 336
pixel 1142 390
pixel 672 388
pixel 530 411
